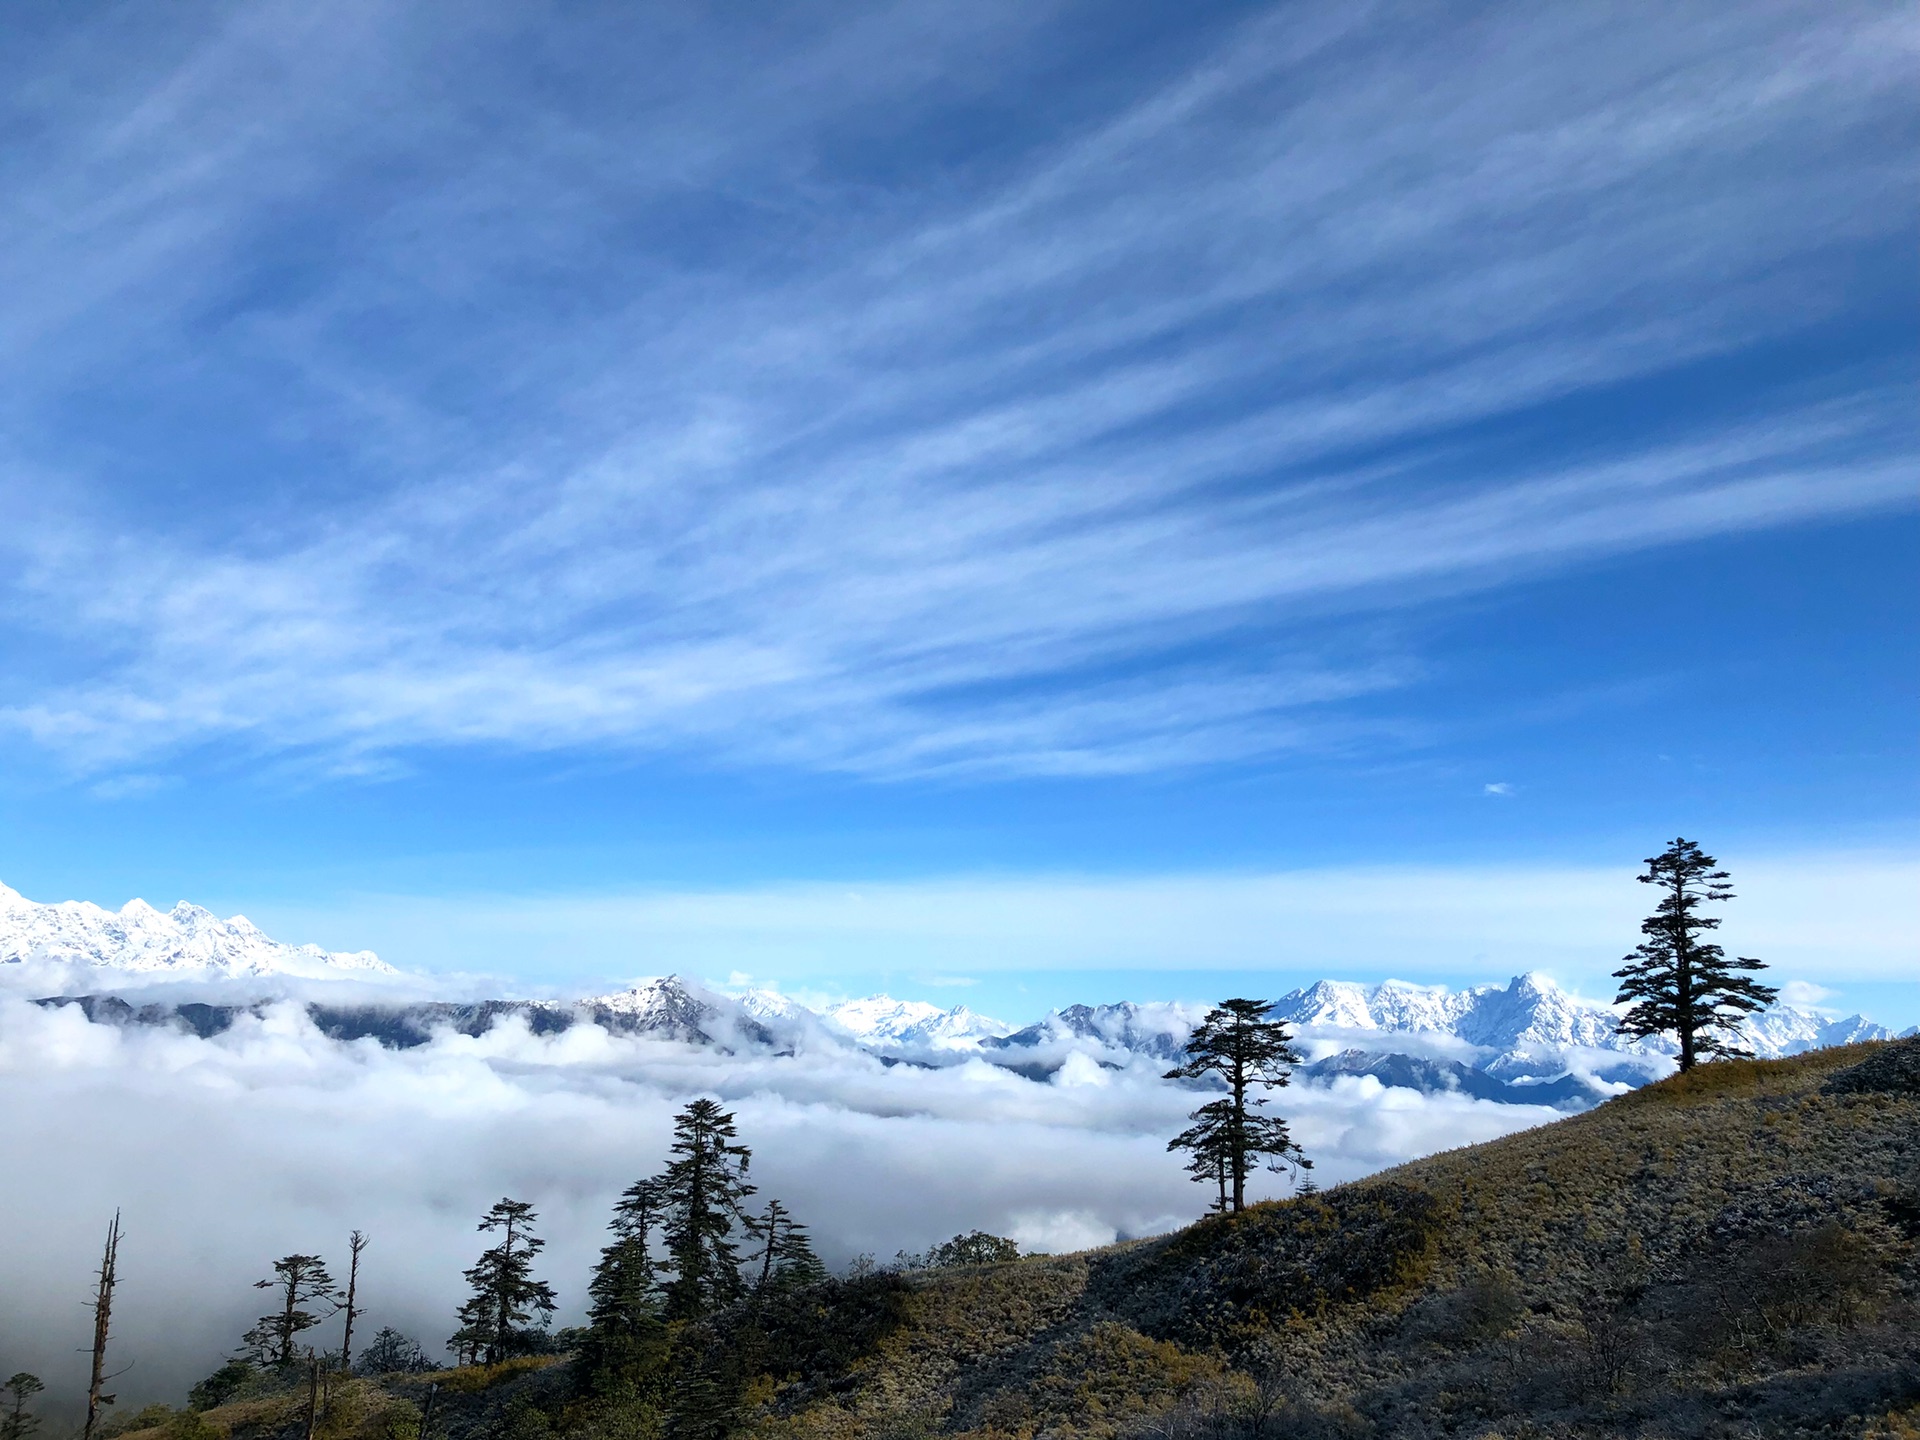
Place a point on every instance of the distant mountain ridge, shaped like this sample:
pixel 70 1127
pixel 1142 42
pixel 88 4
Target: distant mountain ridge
pixel 185 942
pixel 1533 1046
pixel 1526 1042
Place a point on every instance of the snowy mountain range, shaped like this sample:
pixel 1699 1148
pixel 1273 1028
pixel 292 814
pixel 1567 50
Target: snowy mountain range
pixel 184 942
pixel 1528 1041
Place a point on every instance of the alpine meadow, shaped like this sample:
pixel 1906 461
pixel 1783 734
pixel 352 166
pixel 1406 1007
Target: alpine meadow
pixel 1005 721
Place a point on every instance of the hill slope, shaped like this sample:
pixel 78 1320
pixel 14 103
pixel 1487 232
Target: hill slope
pixel 1730 1252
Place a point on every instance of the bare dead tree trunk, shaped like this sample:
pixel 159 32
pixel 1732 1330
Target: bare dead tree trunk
pixel 313 1392
pixel 775 1214
pixel 356 1242
pixel 102 1323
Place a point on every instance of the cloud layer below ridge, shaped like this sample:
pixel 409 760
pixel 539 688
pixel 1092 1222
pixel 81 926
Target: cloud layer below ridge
pixel 225 1153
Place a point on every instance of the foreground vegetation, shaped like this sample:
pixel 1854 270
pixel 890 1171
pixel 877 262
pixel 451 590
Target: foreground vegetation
pixel 1731 1252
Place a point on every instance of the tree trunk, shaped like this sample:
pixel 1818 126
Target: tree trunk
pixel 356 1242
pixel 1238 1135
pixel 102 1322
pixel 502 1317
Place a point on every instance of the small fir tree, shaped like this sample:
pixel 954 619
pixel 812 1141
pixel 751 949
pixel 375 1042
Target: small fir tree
pixel 469 1342
pixel 505 1294
pixel 15 1422
pixel 625 1336
pixel 703 1403
pixel 1680 984
pixel 392 1353
pixel 1239 1046
pixel 701 1194
pixel 301 1280
pixel 785 1259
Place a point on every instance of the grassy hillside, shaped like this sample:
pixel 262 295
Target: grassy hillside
pixel 1728 1250
pixel 1730 1253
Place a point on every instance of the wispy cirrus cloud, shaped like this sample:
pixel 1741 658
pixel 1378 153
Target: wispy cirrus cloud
pixel 711 424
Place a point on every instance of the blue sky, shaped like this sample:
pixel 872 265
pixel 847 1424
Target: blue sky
pixel 470 475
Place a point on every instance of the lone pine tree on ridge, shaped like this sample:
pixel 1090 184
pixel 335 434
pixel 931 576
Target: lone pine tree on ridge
pixel 1681 985
pixel 1239 1045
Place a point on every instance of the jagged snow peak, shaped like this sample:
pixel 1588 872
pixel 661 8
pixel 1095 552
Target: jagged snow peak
pixel 1529 1010
pixel 185 942
pixel 911 1024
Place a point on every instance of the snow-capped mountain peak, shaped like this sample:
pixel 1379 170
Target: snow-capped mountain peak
pixel 187 942
pixel 1529 1010
pixel 1330 1002
pixel 882 1020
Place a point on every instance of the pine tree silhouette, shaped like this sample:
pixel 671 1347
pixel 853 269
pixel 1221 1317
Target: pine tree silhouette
pixel 1238 1045
pixel 1682 985
pixel 302 1280
pixel 505 1294
pixel 701 1194
pixel 625 1334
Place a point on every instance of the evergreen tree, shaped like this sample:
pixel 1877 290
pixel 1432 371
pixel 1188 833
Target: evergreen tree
pixel 469 1342
pixel 701 1194
pixel 1682 985
pixel 975 1248
pixel 16 1423
pixel 625 1335
pixel 505 1294
pixel 703 1403
pixel 393 1353
pixel 1239 1046
pixel 302 1280
pixel 785 1259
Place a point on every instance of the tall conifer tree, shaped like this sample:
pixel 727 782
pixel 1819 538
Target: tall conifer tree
pixel 505 1294
pixel 1240 1046
pixel 624 1330
pixel 1682 985
pixel 785 1257
pixel 701 1194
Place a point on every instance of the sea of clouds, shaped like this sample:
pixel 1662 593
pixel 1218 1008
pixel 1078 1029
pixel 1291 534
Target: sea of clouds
pixel 225 1153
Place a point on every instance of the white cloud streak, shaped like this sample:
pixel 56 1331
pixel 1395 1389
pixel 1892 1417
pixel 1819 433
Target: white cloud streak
pixel 975 475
